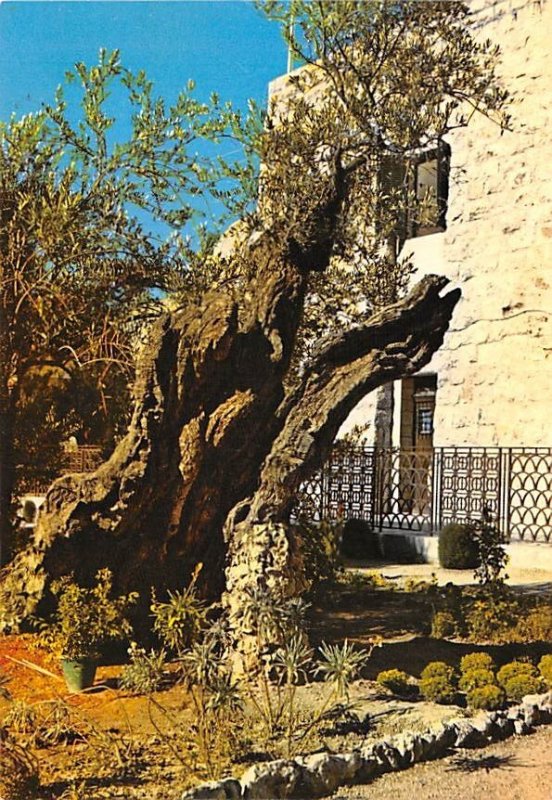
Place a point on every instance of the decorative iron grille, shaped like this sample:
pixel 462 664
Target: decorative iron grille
pixel 423 491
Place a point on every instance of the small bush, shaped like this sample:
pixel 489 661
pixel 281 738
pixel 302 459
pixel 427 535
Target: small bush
pixel 519 678
pixel 438 689
pixel 180 620
pixel 145 672
pixel 493 618
pixel 536 625
pixel 475 679
pixel 457 547
pixel 473 661
pixel 443 625
pixel 438 669
pixel 359 540
pixel 319 544
pixel 396 681
pixel 520 685
pixel 438 682
pixel 545 669
pixel 489 697
pixel 513 669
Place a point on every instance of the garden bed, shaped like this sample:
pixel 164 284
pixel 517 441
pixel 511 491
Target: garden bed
pixel 107 743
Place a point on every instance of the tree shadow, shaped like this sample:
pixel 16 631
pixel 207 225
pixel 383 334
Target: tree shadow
pixel 487 763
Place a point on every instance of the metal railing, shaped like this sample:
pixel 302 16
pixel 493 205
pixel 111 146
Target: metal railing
pixel 423 491
pixel 83 458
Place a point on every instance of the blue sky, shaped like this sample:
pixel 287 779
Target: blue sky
pixel 225 46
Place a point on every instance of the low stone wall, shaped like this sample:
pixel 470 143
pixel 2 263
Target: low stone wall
pixel 320 774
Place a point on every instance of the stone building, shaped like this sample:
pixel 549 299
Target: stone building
pixel 473 431
pixel 490 383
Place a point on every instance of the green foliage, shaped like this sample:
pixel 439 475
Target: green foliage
pixel 396 681
pixel 443 625
pixel 319 544
pixel 519 685
pixel 536 624
pixel 492 553
pixel 492 617
pixel 339 665
pixel 489 697
pixel 87 618
pixel 519 678
pixel 145 671
pixel 438 690
pixel 438 683
pixel 545 669
pixel 475 678
pixel 179 621
pixel 359 540
pixel 457 547
pixel 513 669
pixel 438 669
pixel 476 661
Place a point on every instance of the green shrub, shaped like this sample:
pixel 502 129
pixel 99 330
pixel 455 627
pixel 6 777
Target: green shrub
pixel 473 661
pixel 545 669
pixel 443 625
pixel 438 689
pixel 86 619
pixel 457 547
pixel 489 697
pixel 520 685
pixel 438 669
pixel 491 552
pixel 438 682
pixel 475 678
pixel 145 672
pixel 319 543
pixel 536 625
pixel 493 618
pixel 519 678
pixel 180 620
pixel 513 669
pixel 396 681
pixel 359 540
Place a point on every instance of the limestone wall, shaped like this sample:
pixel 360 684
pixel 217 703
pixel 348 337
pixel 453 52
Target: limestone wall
pixel 494 370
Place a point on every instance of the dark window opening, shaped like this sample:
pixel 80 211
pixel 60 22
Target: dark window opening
pixel 430 192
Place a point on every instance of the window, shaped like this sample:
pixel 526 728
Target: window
pixel 425 421
pixel 430 192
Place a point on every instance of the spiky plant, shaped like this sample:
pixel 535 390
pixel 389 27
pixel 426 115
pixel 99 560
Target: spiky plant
pixel 19 779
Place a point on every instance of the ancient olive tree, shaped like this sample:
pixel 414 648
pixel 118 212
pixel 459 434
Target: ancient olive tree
pixel 81 266
pixel 239 394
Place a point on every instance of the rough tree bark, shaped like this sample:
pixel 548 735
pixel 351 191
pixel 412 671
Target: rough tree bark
pixel 215 444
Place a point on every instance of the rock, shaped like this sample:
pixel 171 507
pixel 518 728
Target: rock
pixel 322 773
pixel 271 781
pixel 409 748
pixel 521 728
pixel 388 757
pixel 502 728
pixel 228 789
pixel 467 735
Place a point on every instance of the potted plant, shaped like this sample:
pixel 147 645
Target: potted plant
pixel 85 620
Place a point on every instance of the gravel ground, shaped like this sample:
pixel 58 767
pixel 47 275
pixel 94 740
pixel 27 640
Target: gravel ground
pixel 531 579
pixel 517 769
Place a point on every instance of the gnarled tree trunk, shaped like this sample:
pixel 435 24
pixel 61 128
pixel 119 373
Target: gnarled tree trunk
pixel 215 443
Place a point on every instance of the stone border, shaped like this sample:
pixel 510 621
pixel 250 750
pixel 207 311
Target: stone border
pixel 321 774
